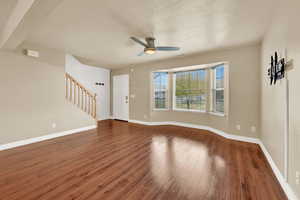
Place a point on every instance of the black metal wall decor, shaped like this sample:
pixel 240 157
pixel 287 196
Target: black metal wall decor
pixel 277 69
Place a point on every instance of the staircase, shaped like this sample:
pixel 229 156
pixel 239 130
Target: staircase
pixel 78 95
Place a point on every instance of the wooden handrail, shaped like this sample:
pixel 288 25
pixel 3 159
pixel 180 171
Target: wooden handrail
pixel 77 94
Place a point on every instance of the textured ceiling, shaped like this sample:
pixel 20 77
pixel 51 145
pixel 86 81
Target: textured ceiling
pixel 6 6
pixel 99 30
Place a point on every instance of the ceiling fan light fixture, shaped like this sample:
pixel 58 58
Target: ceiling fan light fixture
pixel 150 48
pixel 149 51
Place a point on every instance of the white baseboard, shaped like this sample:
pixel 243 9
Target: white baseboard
pixel 45 137
pixel 284 184
pixel 216 131
pixel 105 118
pixel 286 187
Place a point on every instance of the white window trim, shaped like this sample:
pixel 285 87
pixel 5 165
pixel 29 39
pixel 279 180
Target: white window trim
pixel 160 109
pixel 174 91
pixel 189 110
pixel 171 103
pixel 217 114
pixel 153 94
pixel 214 89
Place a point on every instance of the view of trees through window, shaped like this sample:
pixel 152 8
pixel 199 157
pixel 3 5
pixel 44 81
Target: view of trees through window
pixel 194 90
pixel 218 90
pixel 191 90
pixel 160 80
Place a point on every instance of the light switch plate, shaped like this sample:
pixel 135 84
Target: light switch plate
pixel 32 53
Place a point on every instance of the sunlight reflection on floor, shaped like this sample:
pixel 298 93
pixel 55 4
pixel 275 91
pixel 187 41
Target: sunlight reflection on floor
pixel 171 158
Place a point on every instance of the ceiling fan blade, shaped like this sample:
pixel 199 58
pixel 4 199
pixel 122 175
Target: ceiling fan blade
pixel 141 54
pixel 139 41
pixel 167 48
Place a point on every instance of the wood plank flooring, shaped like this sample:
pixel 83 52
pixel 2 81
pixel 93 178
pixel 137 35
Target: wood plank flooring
pixel 121 160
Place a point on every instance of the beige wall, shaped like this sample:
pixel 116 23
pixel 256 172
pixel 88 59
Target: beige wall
pixel 32 97
pixel 244 94
pixel 283 35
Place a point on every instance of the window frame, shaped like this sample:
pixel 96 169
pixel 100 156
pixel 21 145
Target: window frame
pixel 210 76
pixel 167 92
pixel 174 95
pixel 214 90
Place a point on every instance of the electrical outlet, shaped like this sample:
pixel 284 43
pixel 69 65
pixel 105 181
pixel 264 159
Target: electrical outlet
pixel 238 127
pixel 253 129
pixel 53 125
pixel 297 181
pixel 145 117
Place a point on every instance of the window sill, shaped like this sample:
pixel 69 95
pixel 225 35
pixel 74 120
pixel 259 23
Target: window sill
pixel 217 114
pixel 185 110
pixel 191 111
pixel 161 109
pixel 200 111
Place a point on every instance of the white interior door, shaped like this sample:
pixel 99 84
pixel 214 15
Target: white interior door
pixel 121 97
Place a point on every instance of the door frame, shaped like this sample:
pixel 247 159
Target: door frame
pixel 126 118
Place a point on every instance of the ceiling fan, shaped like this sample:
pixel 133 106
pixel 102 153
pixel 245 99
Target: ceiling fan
pixel 150 47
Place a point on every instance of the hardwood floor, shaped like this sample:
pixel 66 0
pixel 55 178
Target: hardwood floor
pixel 129 161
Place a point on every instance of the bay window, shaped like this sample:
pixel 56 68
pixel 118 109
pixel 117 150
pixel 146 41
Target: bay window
pixel 196 89
pixel 160 92
pixel 218 89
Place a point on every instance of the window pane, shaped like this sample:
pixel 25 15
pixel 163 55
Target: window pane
pixel 219 101
pixel 220 76
pixel 160 99
pixel 190 90
pixel 160 80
